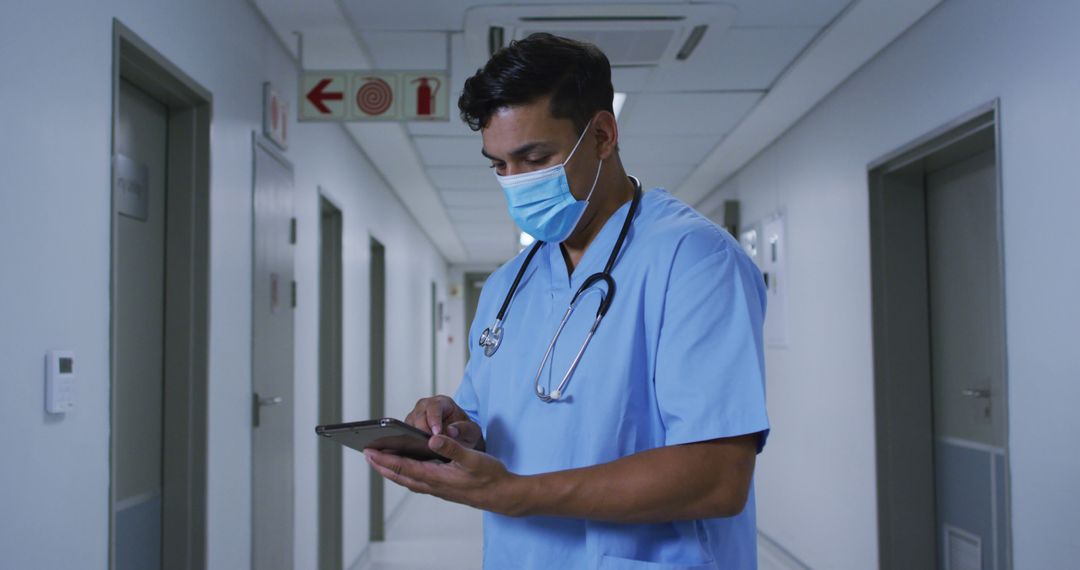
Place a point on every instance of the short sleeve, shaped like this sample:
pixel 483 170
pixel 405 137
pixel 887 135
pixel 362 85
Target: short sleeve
pixel 710 366
pixel 465 396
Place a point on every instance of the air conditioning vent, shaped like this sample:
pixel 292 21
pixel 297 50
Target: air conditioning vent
pixel 496 39
pixel 630 34
pixel 691 42
pixel 623 47
pixel 602 18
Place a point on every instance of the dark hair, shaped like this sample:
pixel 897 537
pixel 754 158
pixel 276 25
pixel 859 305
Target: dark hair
pixel 577 76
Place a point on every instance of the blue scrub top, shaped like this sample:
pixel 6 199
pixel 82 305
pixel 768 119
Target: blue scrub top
pixel 677 359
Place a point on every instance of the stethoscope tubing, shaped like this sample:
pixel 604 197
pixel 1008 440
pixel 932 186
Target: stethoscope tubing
pixel 491 337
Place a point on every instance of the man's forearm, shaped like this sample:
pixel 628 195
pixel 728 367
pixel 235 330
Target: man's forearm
pixel 701 480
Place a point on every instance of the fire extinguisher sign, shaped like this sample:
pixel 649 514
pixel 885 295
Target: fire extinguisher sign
pixel 425 97
pixel 374 95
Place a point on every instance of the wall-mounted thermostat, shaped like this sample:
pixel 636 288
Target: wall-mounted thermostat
pixel 59 381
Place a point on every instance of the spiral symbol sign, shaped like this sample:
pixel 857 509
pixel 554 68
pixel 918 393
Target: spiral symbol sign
pixel 374 97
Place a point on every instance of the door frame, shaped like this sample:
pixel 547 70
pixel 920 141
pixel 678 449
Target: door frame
pixel 377 377
pixel 187 306
pixel 903 399
pixel 331 381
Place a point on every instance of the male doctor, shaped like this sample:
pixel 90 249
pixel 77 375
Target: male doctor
pixel 640 456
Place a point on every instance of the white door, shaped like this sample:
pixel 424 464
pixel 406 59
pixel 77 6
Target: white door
pixel 967 351
pixel 272 363
pixel 139 222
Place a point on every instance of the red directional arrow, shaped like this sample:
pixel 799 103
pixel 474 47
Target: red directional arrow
pixel 317 95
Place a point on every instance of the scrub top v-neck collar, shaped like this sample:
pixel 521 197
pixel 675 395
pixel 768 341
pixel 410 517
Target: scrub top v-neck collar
pixel 596 255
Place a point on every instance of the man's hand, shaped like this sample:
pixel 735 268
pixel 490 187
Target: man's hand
pixel 440 414
pixel 471 478
pixel 700 480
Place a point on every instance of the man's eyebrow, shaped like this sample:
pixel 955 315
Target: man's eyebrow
pixel 521 150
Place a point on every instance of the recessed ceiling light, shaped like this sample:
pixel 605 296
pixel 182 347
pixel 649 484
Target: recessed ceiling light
pixel 617 103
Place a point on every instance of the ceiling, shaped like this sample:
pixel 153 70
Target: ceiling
pixel 686 125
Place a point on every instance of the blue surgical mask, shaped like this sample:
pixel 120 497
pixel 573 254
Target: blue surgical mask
pixel 541 203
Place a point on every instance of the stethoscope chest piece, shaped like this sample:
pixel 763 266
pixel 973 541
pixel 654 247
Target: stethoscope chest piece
pixel 490 339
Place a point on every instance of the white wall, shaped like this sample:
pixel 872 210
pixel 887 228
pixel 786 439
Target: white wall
pixel 54 285
pixel 816 480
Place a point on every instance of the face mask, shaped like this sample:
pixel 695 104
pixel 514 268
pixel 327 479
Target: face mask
pixel 541 203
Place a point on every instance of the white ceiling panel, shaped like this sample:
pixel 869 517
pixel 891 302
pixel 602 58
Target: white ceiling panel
pixel 431 15
pixel 686 113
pixel 486 213
pixel 854 39
pixel 479 197
pixel 468 177
pixel 288 16
pixel 333 48
pixel 408 50
pixel 452 128
pixel 493 225
pixel 668 149
pixel 788 12
pixel 739 59
pixel 450 151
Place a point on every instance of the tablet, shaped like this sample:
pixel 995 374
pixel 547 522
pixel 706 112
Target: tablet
pixel 386 434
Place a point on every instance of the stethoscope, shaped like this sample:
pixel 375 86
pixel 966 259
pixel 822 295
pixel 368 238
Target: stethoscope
pixel 492 337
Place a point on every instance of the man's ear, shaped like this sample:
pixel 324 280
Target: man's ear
pixel 606 131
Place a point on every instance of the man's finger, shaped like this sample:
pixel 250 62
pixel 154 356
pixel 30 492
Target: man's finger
pixel 436 410
pixel 396 476
pixel 452 450
pixel 464 431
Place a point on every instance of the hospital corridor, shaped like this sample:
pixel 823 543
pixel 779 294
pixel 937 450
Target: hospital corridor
pixel 539 285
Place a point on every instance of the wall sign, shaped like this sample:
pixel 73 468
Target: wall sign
pixel 374 95
pixel 131 185
pixel 275 117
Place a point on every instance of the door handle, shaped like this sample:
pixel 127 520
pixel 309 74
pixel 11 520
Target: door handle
pixel 975 393
pixel 257 404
